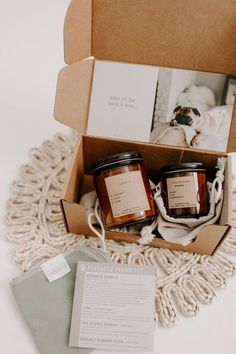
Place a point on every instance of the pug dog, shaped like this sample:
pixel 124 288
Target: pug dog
pixel 184 116
pixel 203 123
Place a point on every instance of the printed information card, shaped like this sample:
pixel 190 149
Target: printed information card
pixel 113 307
pixel 122 100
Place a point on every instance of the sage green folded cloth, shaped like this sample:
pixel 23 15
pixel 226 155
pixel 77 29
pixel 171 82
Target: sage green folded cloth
pixel 46 307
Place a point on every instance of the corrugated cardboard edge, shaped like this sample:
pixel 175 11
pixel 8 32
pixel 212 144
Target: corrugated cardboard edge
pixel 78 31
pixel 226 214
pixel 62 201
pixel 232 133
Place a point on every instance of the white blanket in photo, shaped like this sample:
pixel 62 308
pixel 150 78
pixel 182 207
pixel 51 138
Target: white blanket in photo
pixel 181 135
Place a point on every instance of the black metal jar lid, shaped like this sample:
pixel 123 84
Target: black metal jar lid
pixel 117 160
pixel 183 167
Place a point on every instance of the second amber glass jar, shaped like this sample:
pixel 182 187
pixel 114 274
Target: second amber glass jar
pixel 123 189
pixel 184 190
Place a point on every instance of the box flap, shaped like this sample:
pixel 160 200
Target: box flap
pixel 232 133
pixel 226 214
pixel 195 35
pixel 73 94
pixel 77 31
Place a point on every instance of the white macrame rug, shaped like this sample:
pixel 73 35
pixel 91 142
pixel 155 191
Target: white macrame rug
pixel 184 281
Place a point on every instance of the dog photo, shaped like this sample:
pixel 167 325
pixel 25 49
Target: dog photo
pixel 190 110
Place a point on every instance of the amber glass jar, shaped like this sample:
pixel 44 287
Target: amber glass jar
pixel 184 190
pixel 123 189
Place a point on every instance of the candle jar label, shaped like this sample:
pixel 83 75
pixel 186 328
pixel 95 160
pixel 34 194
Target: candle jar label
pixel 127 193
pixel 182 192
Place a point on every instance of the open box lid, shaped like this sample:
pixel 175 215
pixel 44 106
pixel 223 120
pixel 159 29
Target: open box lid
pixel 196 35
pixel 170 34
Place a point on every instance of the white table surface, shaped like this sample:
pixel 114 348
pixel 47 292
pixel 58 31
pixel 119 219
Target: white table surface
pixel 31 55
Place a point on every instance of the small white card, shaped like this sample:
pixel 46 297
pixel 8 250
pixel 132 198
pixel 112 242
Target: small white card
pixel 122 100
pixel 55 268
pixel 113 307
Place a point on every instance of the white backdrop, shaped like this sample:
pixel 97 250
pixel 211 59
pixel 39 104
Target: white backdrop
pixel 31 55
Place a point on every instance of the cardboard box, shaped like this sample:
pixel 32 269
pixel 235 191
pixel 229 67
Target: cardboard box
pixel 145 32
